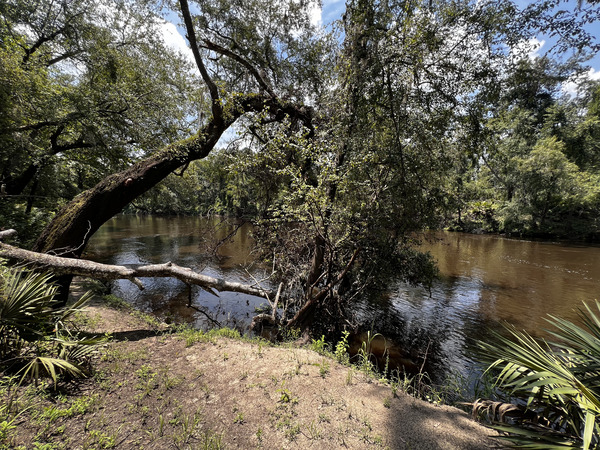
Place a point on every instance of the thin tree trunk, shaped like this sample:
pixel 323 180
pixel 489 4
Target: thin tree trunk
pixel 17 185
pixel 31 197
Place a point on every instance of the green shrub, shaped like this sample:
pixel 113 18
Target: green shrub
pixel 555 385
pixel 36 337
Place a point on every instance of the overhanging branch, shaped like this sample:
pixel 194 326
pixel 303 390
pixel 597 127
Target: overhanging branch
pixel 83 267
pixel 253 71
pixel 217 109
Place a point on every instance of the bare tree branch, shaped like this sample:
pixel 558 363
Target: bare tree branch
pixel 47 123
pixel 82 267
pixel 217 108
pixel 244 62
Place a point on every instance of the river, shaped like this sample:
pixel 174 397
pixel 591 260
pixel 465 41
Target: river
pixel 484 281
pixel 199 243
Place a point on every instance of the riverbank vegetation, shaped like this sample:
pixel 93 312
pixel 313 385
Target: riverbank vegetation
pixel 152 385
pixel 528 167
pixel 36 336
pixel 554 384
pixel 534 172
pixel 338 143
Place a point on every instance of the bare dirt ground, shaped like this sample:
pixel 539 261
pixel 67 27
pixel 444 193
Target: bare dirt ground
pixel 157 390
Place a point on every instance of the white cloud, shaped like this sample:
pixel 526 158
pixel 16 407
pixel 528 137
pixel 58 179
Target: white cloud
pixel 593 74
pixel 176 41
pixel 571 87
pixel 530 48
pixel 314 13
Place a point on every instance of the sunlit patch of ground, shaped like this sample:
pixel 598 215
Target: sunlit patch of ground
pixel 160 390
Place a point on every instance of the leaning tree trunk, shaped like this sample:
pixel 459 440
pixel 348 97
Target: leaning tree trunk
pixel 68 233
pixel 72 227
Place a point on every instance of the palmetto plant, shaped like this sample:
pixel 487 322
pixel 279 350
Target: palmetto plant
pixel 556 383
pixel 35 336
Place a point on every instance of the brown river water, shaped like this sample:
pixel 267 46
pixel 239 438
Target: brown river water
pixel 484 281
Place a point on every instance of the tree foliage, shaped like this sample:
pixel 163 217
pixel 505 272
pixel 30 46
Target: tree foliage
pixel 85 91
pixel 410 114
pixel 538 169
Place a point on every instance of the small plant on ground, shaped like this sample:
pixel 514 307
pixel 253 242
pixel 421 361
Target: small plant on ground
pixel 286 395
pixel 80 406
pixel 323 368
pixel 349 376
pixel 188 428
pixel 116 302
pixel 224 332
pixel 289 334
pixel 7 423
pixel 211 441
pixel 320 346
pixel 36 335
pixel 341 348
pixel 314 432
pixel 168 381
pixel 364 355
pixel 100 439
pixel 147 380
pixel 150 319
pixel 191 335
pixel 292 432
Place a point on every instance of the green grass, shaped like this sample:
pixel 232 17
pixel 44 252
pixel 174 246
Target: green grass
pixel 115 302
pixel 192 336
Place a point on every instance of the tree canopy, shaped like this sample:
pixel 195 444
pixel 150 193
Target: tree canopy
pixel 85 91
pixel 409 114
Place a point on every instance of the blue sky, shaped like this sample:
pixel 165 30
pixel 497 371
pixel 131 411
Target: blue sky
pixel 332 10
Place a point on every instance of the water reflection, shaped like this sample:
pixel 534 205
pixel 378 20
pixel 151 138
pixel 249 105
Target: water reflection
pixel 207 245
pixel 519 281
pixel 485 281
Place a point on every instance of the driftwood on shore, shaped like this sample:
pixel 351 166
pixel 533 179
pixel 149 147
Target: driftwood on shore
pixel 82 267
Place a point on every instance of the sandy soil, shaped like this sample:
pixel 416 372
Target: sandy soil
pixel 152 390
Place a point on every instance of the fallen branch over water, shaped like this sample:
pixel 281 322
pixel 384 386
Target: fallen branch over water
pixel 72 266
pixel 84 267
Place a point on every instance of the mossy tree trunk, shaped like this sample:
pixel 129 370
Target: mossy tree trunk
pixel 72 227
pixel 68 233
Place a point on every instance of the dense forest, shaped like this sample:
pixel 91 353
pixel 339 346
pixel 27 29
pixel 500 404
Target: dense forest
pixel 448 107
pixel 531 169
pixel 337 143
pixel 520 157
